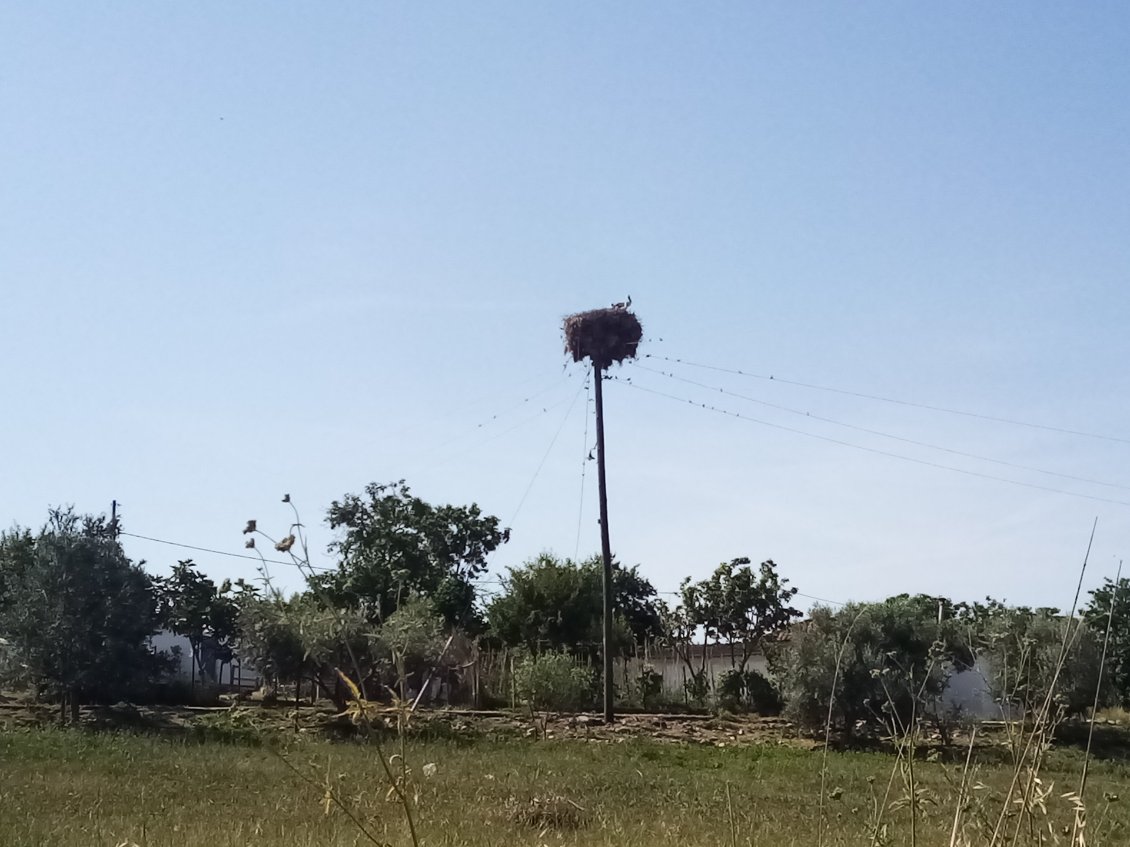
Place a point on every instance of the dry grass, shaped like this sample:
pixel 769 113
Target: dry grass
pixel 70 789
pixel 1113 715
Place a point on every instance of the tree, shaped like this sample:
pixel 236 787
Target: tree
pixel 553 681
pixel 17 553
pixel 1111 602
pixel 394 544
pixel 883 664
pixel 735 605
pixel 207 616
pixel 742 608
pixel 271 638
pixel 551 604
pixel 411 640
pixel 298 639
pixel 681 624
pixel 1038 656
pixel 79 613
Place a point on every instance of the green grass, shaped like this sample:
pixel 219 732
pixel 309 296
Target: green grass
pixel 74 789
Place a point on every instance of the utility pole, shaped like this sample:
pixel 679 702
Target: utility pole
pixel 604 337
pixel 114 519
pixel 605 545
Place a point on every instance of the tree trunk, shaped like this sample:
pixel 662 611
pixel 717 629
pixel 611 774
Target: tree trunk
pixel 74 708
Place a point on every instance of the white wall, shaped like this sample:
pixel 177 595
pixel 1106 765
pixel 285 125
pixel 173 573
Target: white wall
pixel 675 674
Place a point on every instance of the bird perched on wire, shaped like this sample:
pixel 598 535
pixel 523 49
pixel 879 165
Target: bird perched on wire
pixel 626 304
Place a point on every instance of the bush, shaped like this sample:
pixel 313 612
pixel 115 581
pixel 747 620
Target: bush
pixel 553 681
pixel 649 686
pixel 748 690
pixel 875 663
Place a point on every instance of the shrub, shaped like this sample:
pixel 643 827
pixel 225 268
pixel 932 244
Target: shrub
pixel 553 681
pixel 875 663
pixel 649 685
pixel 748 690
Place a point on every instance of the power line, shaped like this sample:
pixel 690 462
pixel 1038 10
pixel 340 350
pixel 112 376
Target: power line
pixel 259 559
pixel 293 564
pixel 895 401
pixel 548 450
pixel 584 468
pixel 874 450
pixel 497 435
pixel 482 581
pixel 881 434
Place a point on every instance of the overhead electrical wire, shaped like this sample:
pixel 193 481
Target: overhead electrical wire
pixel 226 553
pixel 874 450
pixel 485 422
pixel 548 450
pixel 893 400
pixel 881 434
pixel 292 564
pixel 584 467
pixel 486 580
pixel 494 436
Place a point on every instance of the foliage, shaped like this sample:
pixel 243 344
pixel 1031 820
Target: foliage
pixel 271 638
pixel 412 639
pixel 553 681
pixel 740 608
pixel 748 690
pixel 1113 597
pixel 649 686
pixel 1033 654
pixel 551 604
pixel 299 638
pixel 735 606
pixel 679 630
pixel 17 554
pixel 413 632
pixel 394 544
pixel 879 663
pixel 78 613
pixel 207 616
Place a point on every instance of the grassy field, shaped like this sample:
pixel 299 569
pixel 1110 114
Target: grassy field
pixel 78 789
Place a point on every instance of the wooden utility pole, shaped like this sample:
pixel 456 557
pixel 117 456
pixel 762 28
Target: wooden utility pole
pixel 605 545
pixel 604 337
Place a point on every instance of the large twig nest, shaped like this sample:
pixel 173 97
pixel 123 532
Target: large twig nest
pixel 603 335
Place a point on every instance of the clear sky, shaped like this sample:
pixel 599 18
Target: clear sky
pixel 256 248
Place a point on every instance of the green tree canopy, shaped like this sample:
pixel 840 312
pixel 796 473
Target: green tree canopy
pixel 193 606
pixel 1035 656
pixel 736 606
pixel 551 604
pixel 1111 602
pixel 873 662
pixel 740 607
pixel 78 612
pixel 394 544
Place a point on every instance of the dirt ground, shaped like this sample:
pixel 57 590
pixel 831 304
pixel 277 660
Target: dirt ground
pixel 244 720
pixel 709 730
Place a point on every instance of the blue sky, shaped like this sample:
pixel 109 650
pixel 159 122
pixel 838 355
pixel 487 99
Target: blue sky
pixel 263 248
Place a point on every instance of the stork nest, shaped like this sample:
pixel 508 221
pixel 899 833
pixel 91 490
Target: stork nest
pixel 603 336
